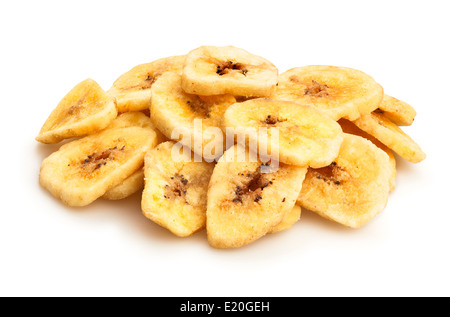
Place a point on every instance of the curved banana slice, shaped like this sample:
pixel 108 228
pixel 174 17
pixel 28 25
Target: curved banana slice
pixel 136 119
pixel 288 220
pixel 305 135
pixel 244 203
pixel 399 112
pixel 350 128
pixel 83 170
pixel 216 70
pixel 354 188
pixel 175 112
pixel 128 187
pixel 340 92
pixel 175 189
pixel 84 110
pixel 133 89
pixel 391 135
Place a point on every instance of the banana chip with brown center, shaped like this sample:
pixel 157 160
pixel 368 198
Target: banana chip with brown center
pixel 354 188
pixel 246 201
pixel 217 70
pixel 340 92
pixel 175 189
pixel 303 135
pixel 83 170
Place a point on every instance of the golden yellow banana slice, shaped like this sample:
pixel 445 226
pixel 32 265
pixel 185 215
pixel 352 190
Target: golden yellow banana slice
pixel 195 121
pixel 217 70
pixel 84 110
pixel 354 188
pixel 133 89
pixel 306 137
pixel 391 135
pixel 288 220
pixel 132 184
pixel 340 92
pixel 175 189
pixel 136 119
pixel 349 127
pixel 83 170
pixel 399 112
pixel 244 203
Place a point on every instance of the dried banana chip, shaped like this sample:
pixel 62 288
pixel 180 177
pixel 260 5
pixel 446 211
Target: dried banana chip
pixel 83 170
pixel 399 112
pixel 349 127
pixel 133 89
pixel 217 70
pixel 136 119
pixel 244 203
pixel 84 110
pixel 391 135
pixel 175 189
pixel 195 121
pixel 354 188
pixel 305 135
pixel 340 92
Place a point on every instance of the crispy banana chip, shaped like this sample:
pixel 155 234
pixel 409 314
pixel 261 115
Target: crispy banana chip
pixel 399 112
pixel 354 188
pixel 175 189
pixel 349 127
pixel 244 203
pixel 83 170
pixel 174 113
pixel 391 135
pixel 136 119
pixel 128 187
pixel 340 92
pixel 215 70
pixel 305 135
pixel 84 110
pixel 133 89
pixel 288 220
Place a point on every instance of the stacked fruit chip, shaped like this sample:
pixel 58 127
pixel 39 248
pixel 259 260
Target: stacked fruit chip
pixel 335 132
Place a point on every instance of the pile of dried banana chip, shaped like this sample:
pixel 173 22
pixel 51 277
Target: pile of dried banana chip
pixel 163 129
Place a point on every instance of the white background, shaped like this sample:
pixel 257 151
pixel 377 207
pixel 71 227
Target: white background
pixel 110 248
